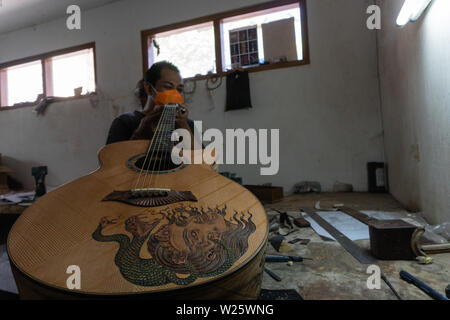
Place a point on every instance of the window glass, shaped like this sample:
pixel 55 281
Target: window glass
pixel 243 40
pixel 72 71
pixel 24 83
pixel 191 49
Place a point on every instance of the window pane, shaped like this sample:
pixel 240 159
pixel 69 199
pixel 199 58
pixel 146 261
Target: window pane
pixel 241 46
pixel 24 83
pixel 71 71
pixel 191 49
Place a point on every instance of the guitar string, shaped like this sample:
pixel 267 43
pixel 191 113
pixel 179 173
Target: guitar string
pixel 156 138
pixel 143 164
pixel 167 138
pixel 145 160
pixel 158 148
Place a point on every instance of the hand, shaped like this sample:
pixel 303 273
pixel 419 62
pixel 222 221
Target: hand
pixel 182 117
pixel 148 124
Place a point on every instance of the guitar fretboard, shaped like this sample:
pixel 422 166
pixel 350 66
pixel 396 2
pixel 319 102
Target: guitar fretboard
pixel 163 133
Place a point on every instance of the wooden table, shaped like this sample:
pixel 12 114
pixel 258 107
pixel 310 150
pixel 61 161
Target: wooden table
pixel 334 274
pixel 11 209
pixel 8 215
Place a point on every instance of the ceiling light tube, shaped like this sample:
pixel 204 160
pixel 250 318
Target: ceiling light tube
pixel 411 11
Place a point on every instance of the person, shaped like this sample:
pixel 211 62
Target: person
pixel 141 124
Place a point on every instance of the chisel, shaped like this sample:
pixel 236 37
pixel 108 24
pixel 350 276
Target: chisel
pixel 422 286
pixel 285 258
pixel 272 274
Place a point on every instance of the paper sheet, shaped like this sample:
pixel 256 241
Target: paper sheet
pixel 18 197
pixel 350 227
pixel 7 282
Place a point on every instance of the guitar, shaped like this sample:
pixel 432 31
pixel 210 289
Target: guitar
pixel 141 226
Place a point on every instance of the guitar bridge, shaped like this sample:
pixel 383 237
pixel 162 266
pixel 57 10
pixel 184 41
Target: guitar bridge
pixel 150 197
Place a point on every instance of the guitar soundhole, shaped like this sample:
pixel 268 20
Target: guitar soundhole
pixel 156 163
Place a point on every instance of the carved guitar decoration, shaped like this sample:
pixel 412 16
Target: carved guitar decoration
pixel 141 226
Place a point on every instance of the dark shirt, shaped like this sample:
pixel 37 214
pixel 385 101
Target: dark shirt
pixel 124 126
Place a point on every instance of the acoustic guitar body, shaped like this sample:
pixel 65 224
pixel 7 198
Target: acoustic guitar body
pixel 183 232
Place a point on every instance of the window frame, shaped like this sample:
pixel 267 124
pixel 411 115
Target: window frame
pixel 216 19
pixel 46 72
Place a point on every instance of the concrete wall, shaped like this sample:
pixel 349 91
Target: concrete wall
pixel 327 112
pixel 415 78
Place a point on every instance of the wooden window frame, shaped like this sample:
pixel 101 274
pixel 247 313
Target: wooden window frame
pixel 216 19
pixel 46 73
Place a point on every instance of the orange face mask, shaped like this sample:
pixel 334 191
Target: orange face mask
pixel 168 96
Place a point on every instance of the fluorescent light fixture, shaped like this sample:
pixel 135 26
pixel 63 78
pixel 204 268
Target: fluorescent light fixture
pixel 411 11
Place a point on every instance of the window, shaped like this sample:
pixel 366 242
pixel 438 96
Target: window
pixel 23 83
pixel 80 66
pixel 264 32
pixel 192 49
pixel 261 37
pixel 244 50
pixel 63 73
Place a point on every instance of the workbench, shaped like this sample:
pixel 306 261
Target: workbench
pixel 8 215
pixel 334 274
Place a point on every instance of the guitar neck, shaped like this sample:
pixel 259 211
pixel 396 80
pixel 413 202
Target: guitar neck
pixel 163 133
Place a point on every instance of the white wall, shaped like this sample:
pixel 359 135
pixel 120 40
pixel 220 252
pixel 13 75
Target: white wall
pixel 415 77
pixel 328 111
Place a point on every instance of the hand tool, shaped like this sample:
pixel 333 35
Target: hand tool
pixel 383 277
pixel 302 241
pixel 272 274
pixel 422 286
pixel 285 258
pixel 284 218
pixel 39 174
pixel 302 223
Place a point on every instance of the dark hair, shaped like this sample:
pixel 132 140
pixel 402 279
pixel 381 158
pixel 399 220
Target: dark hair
pixel 154 73
pixel 140 91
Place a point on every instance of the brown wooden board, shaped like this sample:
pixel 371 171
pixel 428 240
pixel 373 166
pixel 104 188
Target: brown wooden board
pixel 389 239
pixel 267 194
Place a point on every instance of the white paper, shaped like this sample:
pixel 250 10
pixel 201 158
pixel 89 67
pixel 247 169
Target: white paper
pixel 7 282
pixel 350 227
pixel 18 197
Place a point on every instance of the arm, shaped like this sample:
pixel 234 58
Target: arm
pixel 118 132
pixel 147 125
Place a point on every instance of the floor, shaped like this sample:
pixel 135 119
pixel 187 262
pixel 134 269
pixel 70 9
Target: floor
pixel 334 273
